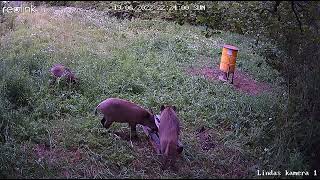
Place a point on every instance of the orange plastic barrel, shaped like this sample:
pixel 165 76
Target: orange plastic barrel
pixel 228 58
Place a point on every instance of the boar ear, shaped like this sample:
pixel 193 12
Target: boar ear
pixel 174 108
pixel 162 107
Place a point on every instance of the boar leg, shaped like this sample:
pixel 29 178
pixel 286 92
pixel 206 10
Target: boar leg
pixel 164 162
pixel 173 164
pixel 133 130
pixel 103 120
pixel 163 146
pixel 106 123
pixel 232 78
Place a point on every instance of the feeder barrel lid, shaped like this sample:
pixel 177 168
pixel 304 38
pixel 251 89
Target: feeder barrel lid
pixel 231 47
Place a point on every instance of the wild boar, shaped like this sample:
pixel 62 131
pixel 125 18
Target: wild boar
pixel 123 111
pixel 60 71
pixel 169 131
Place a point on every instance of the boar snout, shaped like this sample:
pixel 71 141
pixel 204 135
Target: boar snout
pixel 152 125
pixel 155 129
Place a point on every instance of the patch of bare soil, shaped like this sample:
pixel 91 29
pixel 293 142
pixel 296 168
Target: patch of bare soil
pixel 229 162
pixel 241 82
pixel 147 160
pixel 74 157
pixel 54 155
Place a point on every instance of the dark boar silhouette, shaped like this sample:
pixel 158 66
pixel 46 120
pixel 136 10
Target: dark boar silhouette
pixel 60 71
pixel 169 131
pixel 123 111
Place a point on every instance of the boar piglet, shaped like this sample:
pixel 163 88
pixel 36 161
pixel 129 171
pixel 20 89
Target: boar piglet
pixel 169 131
pixel 60 71
pixel 123 111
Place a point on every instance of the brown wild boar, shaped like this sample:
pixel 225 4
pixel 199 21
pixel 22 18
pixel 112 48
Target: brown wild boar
pixel 169 131
pixel 123 111
pixel 60 71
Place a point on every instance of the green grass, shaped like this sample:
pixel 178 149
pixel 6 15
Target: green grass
pixel 142 61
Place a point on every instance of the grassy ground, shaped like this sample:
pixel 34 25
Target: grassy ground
pixel 51 132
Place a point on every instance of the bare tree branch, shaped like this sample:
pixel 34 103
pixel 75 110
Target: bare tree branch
pixel 297 17
pixel 275 7
pixel 300 6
